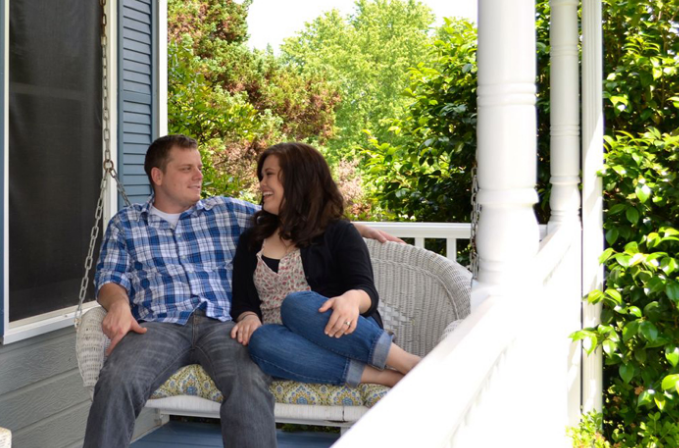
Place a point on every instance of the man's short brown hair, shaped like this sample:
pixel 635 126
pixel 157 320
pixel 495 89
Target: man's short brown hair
pixel 158 153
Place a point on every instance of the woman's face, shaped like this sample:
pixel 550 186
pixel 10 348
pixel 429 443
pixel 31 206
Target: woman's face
pixel 271 185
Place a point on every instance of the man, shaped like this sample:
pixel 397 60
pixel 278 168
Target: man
pixel 164 276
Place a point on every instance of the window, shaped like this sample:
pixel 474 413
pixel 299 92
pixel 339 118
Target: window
pixel 55 151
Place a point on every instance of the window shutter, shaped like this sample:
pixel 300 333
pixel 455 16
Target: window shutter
pixel 137 93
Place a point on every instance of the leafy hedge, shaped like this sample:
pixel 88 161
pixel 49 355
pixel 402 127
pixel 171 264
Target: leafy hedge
pixel 639 330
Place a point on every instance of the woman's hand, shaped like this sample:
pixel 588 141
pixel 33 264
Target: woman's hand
pixel 346 309
pixel 246 325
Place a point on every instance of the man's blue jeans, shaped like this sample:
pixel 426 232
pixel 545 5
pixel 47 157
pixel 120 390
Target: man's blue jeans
pixel 299 350
pixel 142 362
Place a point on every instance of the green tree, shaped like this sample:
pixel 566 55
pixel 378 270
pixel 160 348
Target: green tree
pixel 233 100
pixel 422 170
pixel 366 56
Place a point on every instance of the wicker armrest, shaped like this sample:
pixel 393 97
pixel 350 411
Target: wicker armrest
pixel 5 438
pixel 450 328
pixel 90 345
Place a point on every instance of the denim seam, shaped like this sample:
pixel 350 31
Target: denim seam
pixel 148 390
pixel 308 378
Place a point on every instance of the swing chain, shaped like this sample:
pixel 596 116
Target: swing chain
pixel 108 167
pixel 476 212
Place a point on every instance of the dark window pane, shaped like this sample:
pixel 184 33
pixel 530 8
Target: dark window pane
pixel 54 149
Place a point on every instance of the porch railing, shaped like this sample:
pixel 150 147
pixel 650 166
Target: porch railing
pixel 500 378
pixel 422 231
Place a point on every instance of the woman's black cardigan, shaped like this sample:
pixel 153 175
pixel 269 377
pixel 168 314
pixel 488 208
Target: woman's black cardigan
pixel 335 262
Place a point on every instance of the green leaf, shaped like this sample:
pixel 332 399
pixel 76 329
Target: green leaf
pixel 588 337
pixel 660 401
pixel 640 355
pixel 632 215
pixel 609 346
pixel 635 311
pixel 595 296
pixel 614 294
pixel 643 192
pixel 623 260
pixel 606 255
pixel 672 290
pixel 630 330
pixel 670 382
pixel 668 265
pixel 648 330
pixel 617 208
pixel 652 240
pixel 645 398
pixel 672 354
pixel 612 235
pixel 656 284
pixel 626 372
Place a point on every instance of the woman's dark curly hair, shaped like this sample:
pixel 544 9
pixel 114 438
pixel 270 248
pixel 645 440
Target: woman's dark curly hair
pixel 311 199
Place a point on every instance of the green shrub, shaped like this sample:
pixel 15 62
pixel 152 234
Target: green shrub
pixel 587 434
pixel 639 330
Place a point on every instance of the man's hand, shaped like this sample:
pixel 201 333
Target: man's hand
pixel 119 320
pixel 374 234
pixel 246 325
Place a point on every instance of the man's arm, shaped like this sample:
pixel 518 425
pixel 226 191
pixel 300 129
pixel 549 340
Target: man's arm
pixel 373 234
pixel 119 320
pixel 112 283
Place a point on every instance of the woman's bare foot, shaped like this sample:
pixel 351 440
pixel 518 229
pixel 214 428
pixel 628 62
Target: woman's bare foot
pixel 401 360
pixel 384 377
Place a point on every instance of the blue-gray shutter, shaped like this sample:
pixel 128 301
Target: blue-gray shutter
pixel 137 93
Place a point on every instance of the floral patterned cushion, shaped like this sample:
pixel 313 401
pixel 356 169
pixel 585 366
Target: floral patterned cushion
pixel 192 380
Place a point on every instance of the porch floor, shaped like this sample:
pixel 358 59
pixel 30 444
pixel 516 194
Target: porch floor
pixel 184 435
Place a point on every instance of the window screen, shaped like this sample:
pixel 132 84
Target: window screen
pixel 55 150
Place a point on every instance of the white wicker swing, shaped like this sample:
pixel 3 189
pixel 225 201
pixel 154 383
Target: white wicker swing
pixel 422 297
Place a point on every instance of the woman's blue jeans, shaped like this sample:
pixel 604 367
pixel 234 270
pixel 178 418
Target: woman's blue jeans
pixel 299 349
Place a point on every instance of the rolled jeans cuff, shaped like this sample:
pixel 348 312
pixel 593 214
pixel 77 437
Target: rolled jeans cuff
pixel 381 350
pixel 355 372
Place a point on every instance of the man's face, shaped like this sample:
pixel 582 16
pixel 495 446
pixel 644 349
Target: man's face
pixel 178 187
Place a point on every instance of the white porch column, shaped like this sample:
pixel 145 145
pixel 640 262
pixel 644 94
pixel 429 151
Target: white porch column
pixel 592 201
pixel 508 235
pixel 564 114
pixel 565 195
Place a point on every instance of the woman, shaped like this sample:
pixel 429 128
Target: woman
pixel 303 293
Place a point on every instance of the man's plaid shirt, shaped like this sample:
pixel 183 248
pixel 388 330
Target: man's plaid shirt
pixel 169 273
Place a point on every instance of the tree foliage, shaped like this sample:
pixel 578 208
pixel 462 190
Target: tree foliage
pixel 233 100
pixel 366 56
pixel 423 169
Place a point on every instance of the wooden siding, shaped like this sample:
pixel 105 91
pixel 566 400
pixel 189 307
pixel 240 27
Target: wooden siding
pixel 137 93
pixel 42 399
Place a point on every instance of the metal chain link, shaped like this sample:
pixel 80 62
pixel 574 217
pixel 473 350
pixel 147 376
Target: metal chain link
pixel 108 166
pixel 476 212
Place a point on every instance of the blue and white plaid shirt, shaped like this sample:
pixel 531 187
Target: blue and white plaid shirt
pixel 169 273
